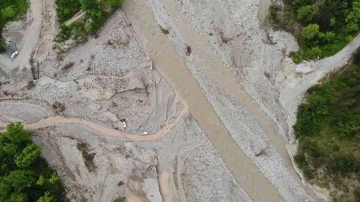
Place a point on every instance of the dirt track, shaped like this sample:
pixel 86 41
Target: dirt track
pixel 55 120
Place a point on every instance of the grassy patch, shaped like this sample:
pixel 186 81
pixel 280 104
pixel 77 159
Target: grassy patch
pixel 68 66
pixel 119 200
pixel 30 85
pixel 296 57
pixel 328 130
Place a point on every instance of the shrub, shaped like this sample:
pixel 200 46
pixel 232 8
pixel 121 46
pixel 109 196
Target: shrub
pixel 296 57
pixel 313 53
pixel 68 66
pixel 30 85
pixel 66 9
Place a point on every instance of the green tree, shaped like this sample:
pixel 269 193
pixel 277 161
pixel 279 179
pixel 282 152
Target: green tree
pixel 28 156
pixel 18 197
pixel 329 36
pixel 114 3
pixel 332 21
pixel 20 179
pixel 305 13
pixel 46 198
pixel 65 9
pixel 313 53
pixel 24 175
pixel 88 5
pixel 5 191
pixel 8 13
pixel 310 32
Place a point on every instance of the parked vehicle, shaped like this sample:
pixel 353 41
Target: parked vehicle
pixel 14 54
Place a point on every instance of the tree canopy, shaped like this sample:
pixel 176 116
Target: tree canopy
pixel 24 175
pixel 328 130
pixel 325 25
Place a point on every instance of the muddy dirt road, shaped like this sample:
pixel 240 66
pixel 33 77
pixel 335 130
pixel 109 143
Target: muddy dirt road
pixel 56 120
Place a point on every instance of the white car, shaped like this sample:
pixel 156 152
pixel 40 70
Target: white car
pixel 14 55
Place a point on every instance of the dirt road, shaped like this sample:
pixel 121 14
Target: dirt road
pixel 323 67
pixel 30 40
pixel 56 120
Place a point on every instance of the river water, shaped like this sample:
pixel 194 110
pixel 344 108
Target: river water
pixel 166 60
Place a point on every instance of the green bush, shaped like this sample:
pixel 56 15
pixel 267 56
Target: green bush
pixel 2 45
pixel 313 53
pixel 356 59
pixel 66 9
pixel 76 31
pixel 114 3
pixel 296 57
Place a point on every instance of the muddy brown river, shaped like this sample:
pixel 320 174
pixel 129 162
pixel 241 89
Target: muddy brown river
pixel 166 60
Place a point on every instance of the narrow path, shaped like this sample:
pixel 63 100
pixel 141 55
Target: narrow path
pixel 323 67
pixel 76 17
pixel 56 120
pixel 166 60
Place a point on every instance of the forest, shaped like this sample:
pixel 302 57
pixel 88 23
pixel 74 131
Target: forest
pixel 322 27
pixel 328 131
pixel 24 174
pixel 97 11
pixel 10 10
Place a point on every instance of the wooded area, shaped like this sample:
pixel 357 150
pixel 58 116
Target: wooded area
pixel 10 10
pixel 328 130
pixel 24 175
pixel 97 11
pixel 322 27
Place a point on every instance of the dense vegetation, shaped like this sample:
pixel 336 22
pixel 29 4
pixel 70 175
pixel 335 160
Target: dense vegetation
pixel 97 12
pixel 10 10
pixel 328 130
pixel 322 27
pixel 24 175
pixel 66 9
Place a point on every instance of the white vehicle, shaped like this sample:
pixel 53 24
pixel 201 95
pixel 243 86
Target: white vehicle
pixel 14 55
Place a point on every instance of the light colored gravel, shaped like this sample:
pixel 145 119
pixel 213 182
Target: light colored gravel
pixel 27 113
pixel 204 175
pixel 197 171
pixel 119 165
